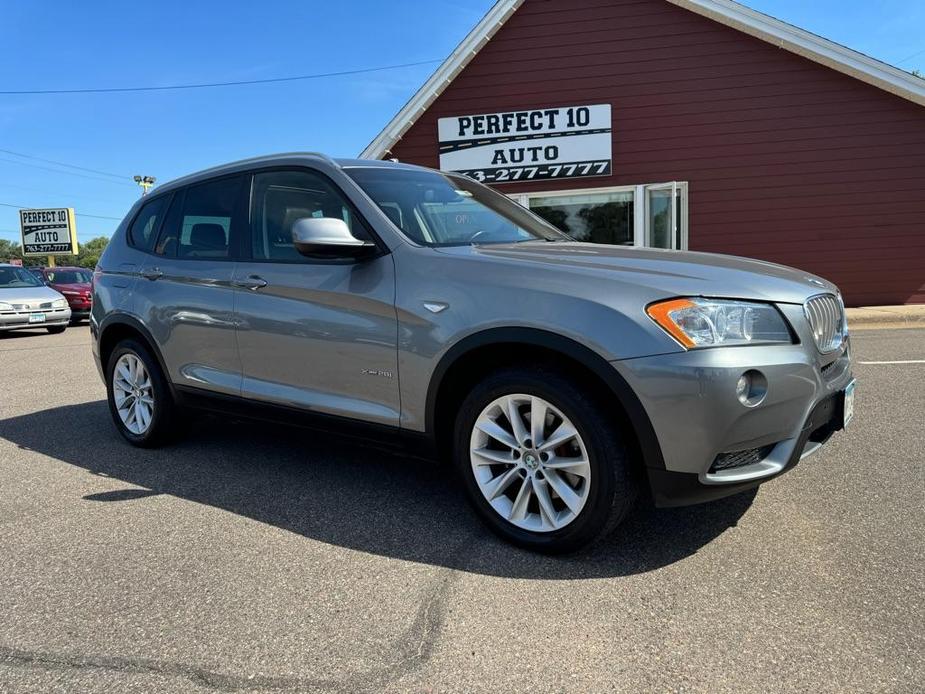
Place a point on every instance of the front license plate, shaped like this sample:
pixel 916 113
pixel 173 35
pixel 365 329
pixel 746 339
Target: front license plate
pixel 849 404
pixel 36 317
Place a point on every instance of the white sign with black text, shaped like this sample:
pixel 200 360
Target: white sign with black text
pixel 562 142
pixel 48 232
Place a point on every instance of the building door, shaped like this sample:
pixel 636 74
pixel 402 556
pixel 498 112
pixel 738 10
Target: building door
pixel 663 202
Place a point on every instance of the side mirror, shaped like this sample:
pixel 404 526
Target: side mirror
pixel 328 237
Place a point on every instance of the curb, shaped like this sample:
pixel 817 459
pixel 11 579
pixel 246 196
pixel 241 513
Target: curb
pixel 873 317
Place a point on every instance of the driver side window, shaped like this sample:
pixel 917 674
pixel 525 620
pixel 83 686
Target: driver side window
pixel 281 198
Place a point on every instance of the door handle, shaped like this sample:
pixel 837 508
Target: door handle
pixel 253 283
pixel 152 273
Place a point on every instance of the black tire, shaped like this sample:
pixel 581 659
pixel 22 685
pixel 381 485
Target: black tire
pixel 613 488
pixel 56 329
pixel 164 417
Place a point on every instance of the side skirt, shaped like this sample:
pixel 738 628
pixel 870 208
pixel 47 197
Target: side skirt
pixel 392 439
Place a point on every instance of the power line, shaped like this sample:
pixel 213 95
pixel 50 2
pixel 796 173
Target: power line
pixel 104 90
pixel 79 214
pixel 63 194
pixel 914 55
pixel 97 216
pixel 69 173
pixel 61 163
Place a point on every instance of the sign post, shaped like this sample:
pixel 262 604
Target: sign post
pixel 50 232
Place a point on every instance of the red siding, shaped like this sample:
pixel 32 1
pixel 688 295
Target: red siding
pixel 787 160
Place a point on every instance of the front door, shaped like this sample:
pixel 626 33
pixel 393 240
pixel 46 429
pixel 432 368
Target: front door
pixel 315 334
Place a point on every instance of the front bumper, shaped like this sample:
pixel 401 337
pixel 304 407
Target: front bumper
pixel 80 306
pixel 690 398
pixel 671 488
pixel 19 320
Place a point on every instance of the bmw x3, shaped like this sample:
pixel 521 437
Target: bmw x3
pixel 563 379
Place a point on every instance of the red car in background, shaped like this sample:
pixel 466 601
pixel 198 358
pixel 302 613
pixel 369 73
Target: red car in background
pixel 73 283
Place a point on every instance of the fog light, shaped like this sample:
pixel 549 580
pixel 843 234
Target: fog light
pixel 751 388
pixel 743 386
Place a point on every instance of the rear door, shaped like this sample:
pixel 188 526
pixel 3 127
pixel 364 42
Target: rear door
pixel 315 334
pixel 184 293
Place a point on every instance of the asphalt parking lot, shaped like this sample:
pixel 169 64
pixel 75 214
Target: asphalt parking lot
pixel 261 558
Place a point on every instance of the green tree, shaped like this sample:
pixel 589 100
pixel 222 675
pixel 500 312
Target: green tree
pixel 9 250
pixel 88 254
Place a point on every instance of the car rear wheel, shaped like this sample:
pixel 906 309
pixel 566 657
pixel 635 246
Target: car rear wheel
pixel 139 399
pixel 57 329
pixel 544 465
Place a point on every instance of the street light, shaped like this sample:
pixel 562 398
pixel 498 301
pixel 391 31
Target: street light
pixel 145 182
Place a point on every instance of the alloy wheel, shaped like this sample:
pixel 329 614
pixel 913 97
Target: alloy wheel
pixel 530 463
pixel 133 394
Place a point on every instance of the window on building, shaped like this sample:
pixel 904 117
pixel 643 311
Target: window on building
pixel 594 217
pixel 640 215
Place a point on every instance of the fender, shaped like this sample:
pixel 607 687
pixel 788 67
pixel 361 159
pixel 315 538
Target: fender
pixel 648 442
pixel 126 319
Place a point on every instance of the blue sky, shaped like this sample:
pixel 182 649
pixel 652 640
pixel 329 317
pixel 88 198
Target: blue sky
pixel 60 44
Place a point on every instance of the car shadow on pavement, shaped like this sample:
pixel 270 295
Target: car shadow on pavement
pixel 344 492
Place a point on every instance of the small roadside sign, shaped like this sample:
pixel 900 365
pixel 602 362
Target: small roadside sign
pixel 48 232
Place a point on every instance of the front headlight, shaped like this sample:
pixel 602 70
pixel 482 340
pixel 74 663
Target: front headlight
pixel 59 303
pixel 697 322
pixel 5 306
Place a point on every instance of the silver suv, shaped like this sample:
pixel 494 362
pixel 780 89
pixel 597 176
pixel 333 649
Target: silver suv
pixel 562 378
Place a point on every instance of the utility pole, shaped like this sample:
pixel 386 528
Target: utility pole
pixel 145 182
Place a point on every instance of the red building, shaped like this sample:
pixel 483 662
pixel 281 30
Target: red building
pixel 693 124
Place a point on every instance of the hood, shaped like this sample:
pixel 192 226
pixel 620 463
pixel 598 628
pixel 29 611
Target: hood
pixel 663 273
pixel 82 287
pixel 30 297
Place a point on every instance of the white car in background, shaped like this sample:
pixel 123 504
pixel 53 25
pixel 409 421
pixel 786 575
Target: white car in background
pixel 25 302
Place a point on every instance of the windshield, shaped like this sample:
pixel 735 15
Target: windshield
pixel 440 209
pixel 68 276
pixel 15 277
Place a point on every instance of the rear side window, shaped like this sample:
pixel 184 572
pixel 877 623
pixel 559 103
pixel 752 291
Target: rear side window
pixel 200 221
pixel 143 231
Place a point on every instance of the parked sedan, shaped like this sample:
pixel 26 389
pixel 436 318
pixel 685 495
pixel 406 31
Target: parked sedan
pixel 25 302
pixel 74 284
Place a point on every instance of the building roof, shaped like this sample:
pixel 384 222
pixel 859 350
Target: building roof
pixel 732 14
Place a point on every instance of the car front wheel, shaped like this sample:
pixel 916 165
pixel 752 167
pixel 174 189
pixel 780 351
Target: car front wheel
pixel 543 462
